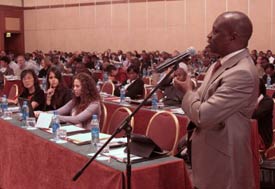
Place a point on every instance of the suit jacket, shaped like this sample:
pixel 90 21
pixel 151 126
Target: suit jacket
pixel 134 90
pixel 264 115
pixel 221 109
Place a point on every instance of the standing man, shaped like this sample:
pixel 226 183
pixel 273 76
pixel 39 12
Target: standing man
pixel 222 107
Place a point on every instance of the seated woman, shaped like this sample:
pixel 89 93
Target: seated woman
pixel 57 94
pixel 85 102
pixel 134 86
pixel 32 90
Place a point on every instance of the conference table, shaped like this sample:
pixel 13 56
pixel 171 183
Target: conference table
pixel 30 160
pixel 143 116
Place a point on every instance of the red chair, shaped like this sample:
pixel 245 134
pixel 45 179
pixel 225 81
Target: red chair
pixel 103 118
pixel 13 93
pixel 270 153
pixel 147 80
pixel 117 117
pixel 163 129
pixel 108 87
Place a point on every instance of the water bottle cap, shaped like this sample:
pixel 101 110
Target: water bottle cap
pixel 94 116
pixel 25 102
pixel 54 112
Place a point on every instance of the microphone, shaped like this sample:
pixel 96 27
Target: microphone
pixel 191 51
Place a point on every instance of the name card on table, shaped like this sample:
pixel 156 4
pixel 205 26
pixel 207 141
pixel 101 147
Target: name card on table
pixel 44 120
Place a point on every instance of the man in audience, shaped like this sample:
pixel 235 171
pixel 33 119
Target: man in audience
pixel 22 65
pixel 134 86
pixel 5 69
pixel 264 114
pixel 222 107
pixel 269 71
pixel 173 96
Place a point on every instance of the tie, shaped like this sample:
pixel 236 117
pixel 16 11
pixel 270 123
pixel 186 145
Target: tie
pixel 216 67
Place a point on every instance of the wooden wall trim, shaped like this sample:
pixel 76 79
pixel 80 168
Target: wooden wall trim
pixel 91 4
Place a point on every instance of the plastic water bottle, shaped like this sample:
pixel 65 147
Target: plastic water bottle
pixel 44 84
pixel 144 72
pixel 4 106
pixel 55 126
pixel 98 85
pixel 154 101
pixel 25 114
pixel 95 130
pixel 97 66
pixel 268 81
pixel 122 95
pixel 105 77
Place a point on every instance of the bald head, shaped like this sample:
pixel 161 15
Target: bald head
pixel 238 23
pixel 231 32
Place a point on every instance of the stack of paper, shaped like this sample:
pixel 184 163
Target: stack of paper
pixel 85 138
pixel 177 111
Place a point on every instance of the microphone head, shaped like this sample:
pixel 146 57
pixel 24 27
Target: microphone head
pixel 191 51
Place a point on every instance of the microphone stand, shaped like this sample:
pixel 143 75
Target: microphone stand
pixel 125 125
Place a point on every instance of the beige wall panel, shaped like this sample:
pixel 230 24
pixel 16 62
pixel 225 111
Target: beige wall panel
pixel 175 39
pixel 57 2
pixel 273 26
pixel 102 39
pixel 41 2
pixel 87 17
pixel 120 16
pixel 261 18
pixel 156 14
pixel 156 39
pixel 103 16
pixel 29 3
pixel 213 9
pixel 30 20
pixel 137 16
pixel 119 39
pixel 45 18
pixel 70 17
pixel 43 40
pixel 175 13
pixel 58 39
pixel 30 40
pixel 137 40
pixel 72 41
pixel 12 24
pixel 87 38
pixel 72 1
pixel 17 3
pixel 238 5
pixel 195 24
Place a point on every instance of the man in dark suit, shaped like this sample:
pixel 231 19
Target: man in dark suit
pixel 134 86
pixel 222 107
pixel 264 114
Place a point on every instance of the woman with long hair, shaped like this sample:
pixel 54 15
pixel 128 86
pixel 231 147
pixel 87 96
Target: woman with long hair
pixel 57 94
pixel 85 102
pixel 32 90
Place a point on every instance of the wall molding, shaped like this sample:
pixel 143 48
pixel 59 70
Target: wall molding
pixel 92 4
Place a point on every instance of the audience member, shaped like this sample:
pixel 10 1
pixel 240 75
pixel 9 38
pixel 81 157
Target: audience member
pixel 5 69
pixel 85 102
pixel 57 94
pixel 32 90
pixel 134 86
pixel 264 114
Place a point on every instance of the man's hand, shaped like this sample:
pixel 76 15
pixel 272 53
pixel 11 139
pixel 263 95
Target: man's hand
pixel 183 85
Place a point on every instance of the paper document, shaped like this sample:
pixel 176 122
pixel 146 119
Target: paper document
pixel 44 120
pixel 119 155
pixel 85 138
pixel 177 111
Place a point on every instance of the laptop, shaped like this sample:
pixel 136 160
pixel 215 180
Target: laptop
pixel 21 102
